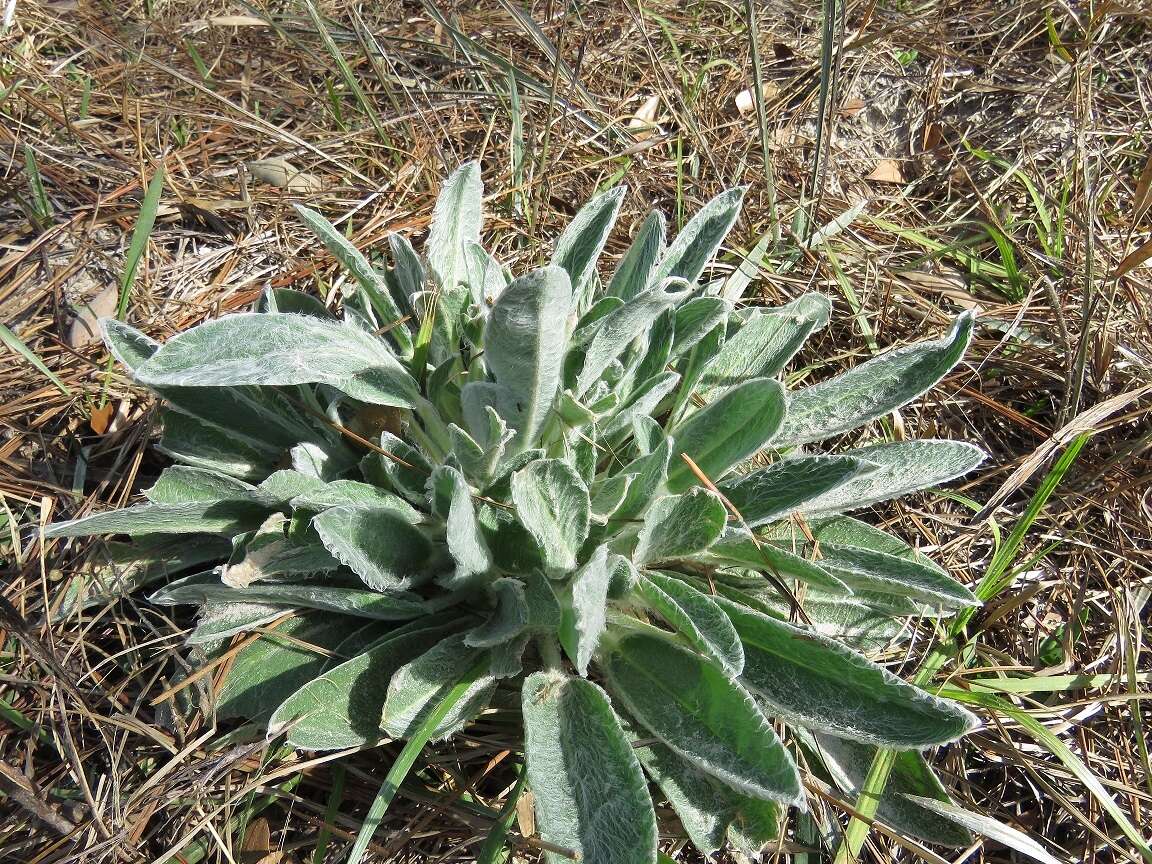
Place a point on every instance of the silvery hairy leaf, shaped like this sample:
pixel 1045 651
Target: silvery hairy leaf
pixel 815 681
pixel 696 710
pixel 584 775
pixel 726 432
pixel 874 388
pixel 526 338
pixel 277 349
pixel 694 246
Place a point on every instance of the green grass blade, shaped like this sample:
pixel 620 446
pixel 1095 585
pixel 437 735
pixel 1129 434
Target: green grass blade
pixel 762 122
pixel 406 760
pixel 495 850
pixel 996 579
pixel 140 236
pixel 1061 751
pixel 335 797
pixel 362 100
pixel 13 341
pixel 40 203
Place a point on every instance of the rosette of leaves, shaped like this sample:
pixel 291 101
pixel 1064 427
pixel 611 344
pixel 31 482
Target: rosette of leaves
pixel 599 495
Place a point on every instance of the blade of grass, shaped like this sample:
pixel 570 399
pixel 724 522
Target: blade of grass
pixel 362 100
pixel 406 760
pixel 40 203
pixel 335 798
pixel 1053 683
pixel 140 234
pixel 496 842
pixel 13 341
pixel 762 121
pixel 550 50
pixel 997 578
pixel 1039 733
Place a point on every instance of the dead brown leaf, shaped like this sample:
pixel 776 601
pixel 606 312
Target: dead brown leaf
pixel 643 123
pixel 745 99
pixel 85 329
pixel 852 107
pixel 278 171
pixel 100 418
pixel 886 171
pixel 1134 259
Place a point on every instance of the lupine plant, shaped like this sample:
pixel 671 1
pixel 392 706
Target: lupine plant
pixel 597 495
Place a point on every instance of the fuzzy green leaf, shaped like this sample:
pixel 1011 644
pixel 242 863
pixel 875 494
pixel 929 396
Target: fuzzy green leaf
pixel 648 473
pixel 584 610
pixel 874 388
pixel 179 484
pixel 353 493
pixel 372 286
pixel 418 687
pixel 642 401
pixel 456 222
pixel 848 762
pixel 989 827
pixel 695 320
pixel 194 442
pixel 677 526
pixel 342 708
pixel 579 247
pixel 347 601
pixel 695 245
pixel 525 342
pixel 727 431
pixel 465 538
pixel 696 617
pixel 273 348
pixel 401 466
pixel 485 277
pixel 379 545
pixel 508 619
pixel 770 494
pixel 849 620
pixel 705 717
pixel 271 668
pixel 904 466
pixel 809 679
pixel 755 824
pixel 480 457
pixel 617 330
pixel 553 504
pixel 202 517
pixel 220 620
pixel 765 343
pixel 635 271
pixel 737 548
pixel 129 346
pixel 846 531
pixel 591 798
pixel 867 570
pixel 296 303
pixel 704 805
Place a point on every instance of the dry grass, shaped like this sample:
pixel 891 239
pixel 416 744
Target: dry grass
pixel 1024 122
